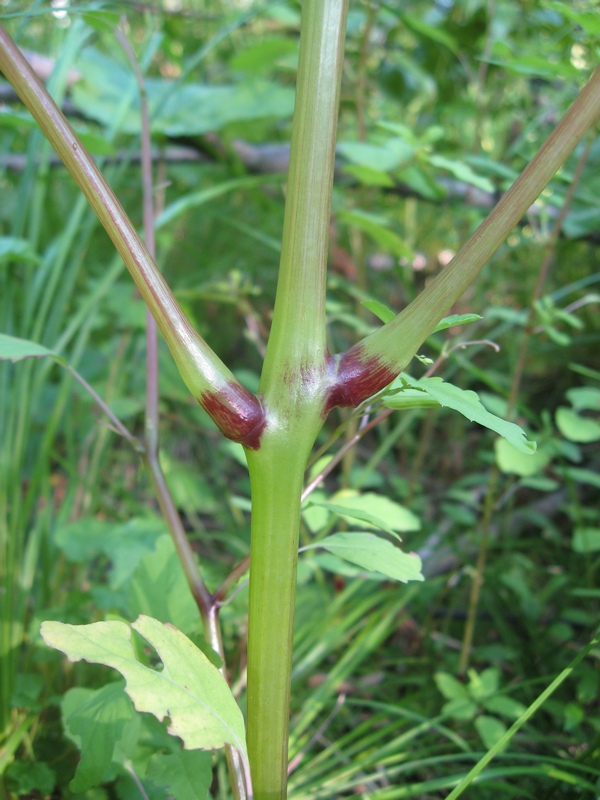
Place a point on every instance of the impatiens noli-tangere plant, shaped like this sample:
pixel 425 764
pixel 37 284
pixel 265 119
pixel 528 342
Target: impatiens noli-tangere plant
pixel 301 382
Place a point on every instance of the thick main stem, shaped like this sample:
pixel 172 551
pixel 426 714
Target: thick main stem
pixel 276 490
pixel 294 391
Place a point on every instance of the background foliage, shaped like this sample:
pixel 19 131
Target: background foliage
pixel 442 104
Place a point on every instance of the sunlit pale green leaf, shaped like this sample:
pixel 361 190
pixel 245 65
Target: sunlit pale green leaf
pixel 373 554
pixel 380 157
pixel 369 176
pixel 584 398
pixel 189 690
pixel 576 428
pixel 375 510
pixel 450 687
pixel 514 462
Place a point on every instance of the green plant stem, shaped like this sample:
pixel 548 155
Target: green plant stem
pixel 294 385
pixel 492 483
pixel 209 609
pixel 395 343
pixel 237 410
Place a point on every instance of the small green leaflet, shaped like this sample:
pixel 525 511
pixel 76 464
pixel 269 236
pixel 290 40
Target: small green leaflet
pixel 185 775
pixel 373 554
pixel 13 349
pixel 386 314
pixel 406 392
pixel 189 690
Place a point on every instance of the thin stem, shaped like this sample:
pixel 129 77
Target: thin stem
pixel 370 365
pixel 490 496
pixel 237 412
pixel 209 609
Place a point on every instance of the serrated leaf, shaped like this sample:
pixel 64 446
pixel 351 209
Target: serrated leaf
pixel 13 349
pixel 373 554
pixel 95 720
pixel 185 775
pixel 466 402
pixel 189 690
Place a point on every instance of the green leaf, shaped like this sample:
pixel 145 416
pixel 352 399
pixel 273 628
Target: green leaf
pixel 490 729
pixel 189 690
pixel 455 319
pixel 184 775
pixel 382 158
pixel 199 198
pixel 464 401
pixel 437 35
pixel 483 684
pixel 514 462
pixel 450 687
pixel 124 544
pixel 462 172
pixel 95 719
pixel 586 540
pixel 30 779
pixel 589 21
pixel 13 349
pixel 108 91
pixel 377 228
pixel 505 706
pixel 373 554
pixel 158 587
pixel 369 176
pixel 375 510
pixel 380 310
pixel 19 250
pixel 584 398
pixel 576 428
pixel 264 55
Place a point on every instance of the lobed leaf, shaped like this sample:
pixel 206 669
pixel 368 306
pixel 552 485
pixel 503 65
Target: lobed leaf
pixel 189 690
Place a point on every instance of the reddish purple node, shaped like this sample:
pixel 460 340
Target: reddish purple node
pixel 237 413
pixel 357 377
